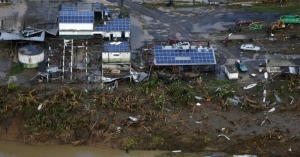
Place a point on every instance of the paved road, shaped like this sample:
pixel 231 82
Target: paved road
pixel 163 24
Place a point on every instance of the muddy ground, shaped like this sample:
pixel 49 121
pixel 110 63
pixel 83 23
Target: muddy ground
pixel 169 117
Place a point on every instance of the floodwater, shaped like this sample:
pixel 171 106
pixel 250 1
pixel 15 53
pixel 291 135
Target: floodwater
pixel 16 149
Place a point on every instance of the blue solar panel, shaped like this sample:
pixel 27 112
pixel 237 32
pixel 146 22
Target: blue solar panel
pixel 115 25
pixel 183 57
pixel 82 16
pixel 116 47
pixel 68 8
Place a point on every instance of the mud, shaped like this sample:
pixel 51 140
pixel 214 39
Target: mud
pixel 187 126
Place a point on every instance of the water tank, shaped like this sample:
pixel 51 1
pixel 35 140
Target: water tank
pixel 30 56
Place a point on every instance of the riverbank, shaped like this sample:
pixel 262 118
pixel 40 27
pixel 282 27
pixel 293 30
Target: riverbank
pixel 8 148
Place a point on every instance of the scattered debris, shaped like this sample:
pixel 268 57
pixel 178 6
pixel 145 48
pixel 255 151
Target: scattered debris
pixel 290 149
pixel 87 107
pixel 274 103
pixel 167 109
pixel 134 119
pixel 245 155
pixel 199 98
pixel 198 122
pixel 253 75
pixel 277 98
pixel 233 101
pixel 265 95
pixel 266 76
pixel 265 121
pixel 291 100
pixel 198 104
pixel 176 151
pixel 272 109
pixel 238 99
pixel 40 107
pixel 224 136
pixel 250 86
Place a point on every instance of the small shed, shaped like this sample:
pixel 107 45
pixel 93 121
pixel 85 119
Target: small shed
pixel 231 72
pixel 283 66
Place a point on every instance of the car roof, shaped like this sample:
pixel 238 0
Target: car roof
pixel 247 45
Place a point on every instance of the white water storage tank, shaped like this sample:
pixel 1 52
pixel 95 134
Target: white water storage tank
pixel 30 56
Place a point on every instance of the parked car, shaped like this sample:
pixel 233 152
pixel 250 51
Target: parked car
pixel 250 47
pixel 234 30
pixel 243 22
pixel 241 66
pixel 174 40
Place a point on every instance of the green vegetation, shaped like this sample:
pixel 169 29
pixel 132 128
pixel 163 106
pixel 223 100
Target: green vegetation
pixel 16 69
pixel 157 141
pixel 218 82
pixel 273 8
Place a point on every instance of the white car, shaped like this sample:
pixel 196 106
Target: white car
pixel 250 47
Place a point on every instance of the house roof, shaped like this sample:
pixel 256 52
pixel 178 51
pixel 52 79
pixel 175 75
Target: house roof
pixel 116 47
pixel 29 34
pixel 117 24
pixel 283 62
pixel 80 16
pixel 185 55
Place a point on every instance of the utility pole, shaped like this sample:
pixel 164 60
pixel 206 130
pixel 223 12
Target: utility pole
pixel 86 59
pixel 71 64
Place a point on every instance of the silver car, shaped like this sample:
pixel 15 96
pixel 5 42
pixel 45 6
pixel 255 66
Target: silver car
pixel 250 47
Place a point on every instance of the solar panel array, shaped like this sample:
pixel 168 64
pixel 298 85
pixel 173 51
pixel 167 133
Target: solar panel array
pixel 82 16
pixel 183 57
pixel 97 5
pixel 116 47
pixel 115 25
pixel 68 8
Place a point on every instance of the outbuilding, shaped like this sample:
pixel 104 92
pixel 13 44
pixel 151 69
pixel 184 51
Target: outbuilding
pixel 231 71
pixel 30 56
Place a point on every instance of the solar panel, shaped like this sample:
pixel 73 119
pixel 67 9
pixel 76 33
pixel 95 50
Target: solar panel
pixel 201 56
pixel 68 8
pixel 82 16
pixel 116 47
pixel 97 5
pixel 115 25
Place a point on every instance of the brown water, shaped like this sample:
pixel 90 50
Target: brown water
pixel 16 149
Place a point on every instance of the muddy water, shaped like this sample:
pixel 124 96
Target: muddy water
pixel 15 149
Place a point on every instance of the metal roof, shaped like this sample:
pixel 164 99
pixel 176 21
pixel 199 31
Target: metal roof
pixel 116 47
pixel 35 35
pixel 188 55
pixel 118 24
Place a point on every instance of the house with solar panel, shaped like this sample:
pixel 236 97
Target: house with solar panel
pixel 185 57
pixel 115 60
pixel 91 20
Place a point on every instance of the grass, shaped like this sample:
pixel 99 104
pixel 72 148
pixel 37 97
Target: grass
pixel 218 82
pixel 272 8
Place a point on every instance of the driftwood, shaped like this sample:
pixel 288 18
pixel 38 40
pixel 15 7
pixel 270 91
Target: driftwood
pixel 251 101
